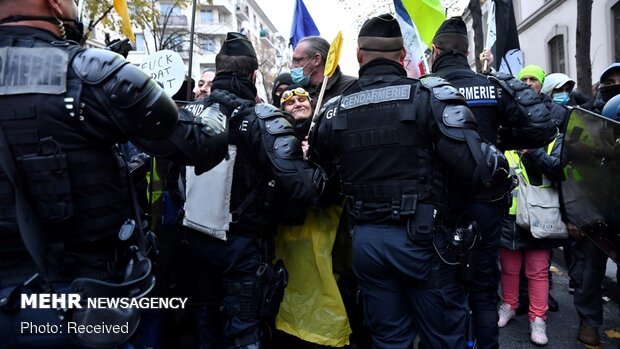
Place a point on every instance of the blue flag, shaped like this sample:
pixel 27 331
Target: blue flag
pixel 303 24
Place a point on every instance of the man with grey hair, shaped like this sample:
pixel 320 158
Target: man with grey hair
pixel 308 64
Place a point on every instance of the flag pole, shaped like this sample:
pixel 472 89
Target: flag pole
pixel 191 52
pixel 320 99
pixel 490 12
pixel 331 63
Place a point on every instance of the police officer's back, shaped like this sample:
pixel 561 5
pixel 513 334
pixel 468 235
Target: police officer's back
pixel 63 110
pixel 263 179
pixel 509 115
pixel 393 142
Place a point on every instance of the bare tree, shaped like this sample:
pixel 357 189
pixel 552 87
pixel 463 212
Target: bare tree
pixel 583 36
pixel 168 28
pixel 98 12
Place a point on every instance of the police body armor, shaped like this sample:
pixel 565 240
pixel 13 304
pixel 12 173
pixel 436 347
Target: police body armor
pixel 483 97
pixel 375 130
pixel 383 126
pixel 78 187
pixel 63 146
pixel 519 121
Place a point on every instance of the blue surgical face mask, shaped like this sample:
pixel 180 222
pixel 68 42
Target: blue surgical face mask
pixel 560 98
pixel 297 74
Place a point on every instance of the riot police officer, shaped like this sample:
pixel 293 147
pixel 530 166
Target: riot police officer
pixel 511 116
pixel 394 142
pixel 65 191
pixel 264 178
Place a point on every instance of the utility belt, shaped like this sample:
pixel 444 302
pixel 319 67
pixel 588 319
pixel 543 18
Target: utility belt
pixel 453 244
pixel 384 195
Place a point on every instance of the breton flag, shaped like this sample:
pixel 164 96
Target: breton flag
pixel 121 8
pixel 303 24
pixel 502 37
pixel 418 20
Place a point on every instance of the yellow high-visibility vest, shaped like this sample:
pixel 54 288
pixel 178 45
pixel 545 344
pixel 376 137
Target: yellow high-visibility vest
pixel 516 166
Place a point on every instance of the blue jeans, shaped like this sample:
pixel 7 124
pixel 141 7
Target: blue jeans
pixel 407 291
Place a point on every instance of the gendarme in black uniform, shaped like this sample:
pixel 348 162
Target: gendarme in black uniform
pixel 393 142
pixel 510 115
pixel 63 109
pixel 270 180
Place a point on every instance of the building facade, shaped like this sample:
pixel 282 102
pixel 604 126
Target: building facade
pixel 547 34
pixel 212 22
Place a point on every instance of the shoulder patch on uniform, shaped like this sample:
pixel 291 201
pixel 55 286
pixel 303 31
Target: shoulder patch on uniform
pixel 94 65
pixel 447 92
pixel 379 95
pixel 264 110
pixel 33 70
pixel 459 116
pixel 276 126
pixel 433 81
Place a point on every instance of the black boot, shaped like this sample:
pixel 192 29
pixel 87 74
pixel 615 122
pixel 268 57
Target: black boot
pixel 553 304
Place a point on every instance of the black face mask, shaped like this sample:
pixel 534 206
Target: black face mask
pixel 72 31
pixel 608 92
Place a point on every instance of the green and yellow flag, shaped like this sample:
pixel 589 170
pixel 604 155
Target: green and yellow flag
pixel 427 16
pixel 121 8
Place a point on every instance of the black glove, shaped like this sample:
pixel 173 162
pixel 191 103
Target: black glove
pixel 122 47
pixel 228 102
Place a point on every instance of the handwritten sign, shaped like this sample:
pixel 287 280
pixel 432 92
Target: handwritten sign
pixel 167 68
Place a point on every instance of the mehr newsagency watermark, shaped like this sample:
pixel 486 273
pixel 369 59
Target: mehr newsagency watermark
pixel 69 301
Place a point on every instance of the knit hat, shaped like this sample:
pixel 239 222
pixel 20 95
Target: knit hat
pixel 532 70
pixel 556 80
pixel 454 25
pixel 237 44
pixel 382 26
pixel 282 79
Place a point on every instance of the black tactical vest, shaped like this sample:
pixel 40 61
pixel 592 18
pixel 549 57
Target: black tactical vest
pixel 483 97
pixel 76 184
pixel 386 160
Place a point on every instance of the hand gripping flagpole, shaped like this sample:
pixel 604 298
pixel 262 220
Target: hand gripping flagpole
pixel 331 63
pixel 491 36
